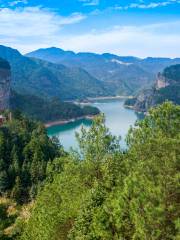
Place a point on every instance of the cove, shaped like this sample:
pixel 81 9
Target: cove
pixel 118 120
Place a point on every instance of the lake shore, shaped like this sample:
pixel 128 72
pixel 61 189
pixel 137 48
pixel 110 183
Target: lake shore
pixel 90 100
pixel 83 102
pixel 129 107
pixel 62 122
pixel 110 98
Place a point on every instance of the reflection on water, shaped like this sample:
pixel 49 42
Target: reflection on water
pixel 118 120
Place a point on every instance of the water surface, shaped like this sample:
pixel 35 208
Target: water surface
pixel 118 120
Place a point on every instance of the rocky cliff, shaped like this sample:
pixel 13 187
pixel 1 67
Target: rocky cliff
pixel 5 77
pixel 161 81
pixel 166 87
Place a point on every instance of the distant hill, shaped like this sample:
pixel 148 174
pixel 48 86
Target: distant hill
pixel 120 74
pixel 40 78
pixel 4 64
pixel 166 87
pixel 5 80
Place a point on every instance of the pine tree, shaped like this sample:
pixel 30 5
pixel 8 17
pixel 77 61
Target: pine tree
pixel 3 181
pixel 17 191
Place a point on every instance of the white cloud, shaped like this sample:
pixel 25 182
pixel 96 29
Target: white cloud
pixel 90 2
pixel 130 40
pixel 16 2
pixel 31 28
pixel 32 25
pixel 150 5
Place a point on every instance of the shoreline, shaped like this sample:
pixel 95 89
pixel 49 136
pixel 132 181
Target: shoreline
pixel 63 122
pixel 88 117
pixel 90 99
pixel 110 97
pixel 132 108
pixel 129 107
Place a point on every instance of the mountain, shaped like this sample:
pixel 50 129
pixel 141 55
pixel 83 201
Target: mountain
pixel 166 87
pixel 48 110
pixel 5 77
pixel 40 78
pixel 120 74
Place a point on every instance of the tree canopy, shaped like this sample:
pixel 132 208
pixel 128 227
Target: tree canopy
pixel 105 193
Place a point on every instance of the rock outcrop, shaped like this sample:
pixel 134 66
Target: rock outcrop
pixel 161 81
pixel 145 100
pixel 5 78
pixel 166 87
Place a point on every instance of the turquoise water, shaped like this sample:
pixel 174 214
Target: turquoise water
pixel 118 120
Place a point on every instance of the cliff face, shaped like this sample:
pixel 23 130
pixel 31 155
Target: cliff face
pixel 161 81
pixel 5 77
pixel 144 100
pixel 166 87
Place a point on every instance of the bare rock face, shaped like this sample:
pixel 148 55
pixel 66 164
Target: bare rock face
pixel 161 81
pixel 5 78
pixel 145 100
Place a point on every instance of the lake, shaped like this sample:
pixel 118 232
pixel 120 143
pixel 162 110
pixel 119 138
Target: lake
pixel 118 120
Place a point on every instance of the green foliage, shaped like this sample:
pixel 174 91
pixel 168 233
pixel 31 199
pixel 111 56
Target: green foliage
pixel 25 151
pixel 170 93
pixel 172 73
pixel 49 110
pixel 7 217
pixel 103 193
pixel 4 64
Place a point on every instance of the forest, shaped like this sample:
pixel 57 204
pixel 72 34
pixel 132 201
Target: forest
pixel 47 110
pixel 102 192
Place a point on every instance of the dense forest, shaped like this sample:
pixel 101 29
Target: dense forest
pixel 50 109
pixel 25 151
pixel 102 192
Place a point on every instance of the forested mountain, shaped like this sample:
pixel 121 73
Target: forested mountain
pixel 50 80
pixel 103 193
pixel 5 78
pixel 66 75
pixel 48 110
pixel 166 87
pixel 122 75
pixel 37 107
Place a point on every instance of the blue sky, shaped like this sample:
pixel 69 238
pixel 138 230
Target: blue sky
pixel 124 27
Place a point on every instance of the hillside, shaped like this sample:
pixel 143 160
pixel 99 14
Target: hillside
pixel 48 80
pixel 48 110
pixel 120 74
pixel 37 107
pixel 166 87
pixel 5 79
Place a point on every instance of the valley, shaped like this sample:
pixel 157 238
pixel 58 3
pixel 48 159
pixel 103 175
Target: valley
pixel 118 120
pixel 89 119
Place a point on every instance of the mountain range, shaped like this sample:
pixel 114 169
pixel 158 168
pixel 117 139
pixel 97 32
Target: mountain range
pixel 120 75
pixel 41 78
pixel 66 75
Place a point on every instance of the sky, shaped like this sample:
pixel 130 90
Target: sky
pixel 124 27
